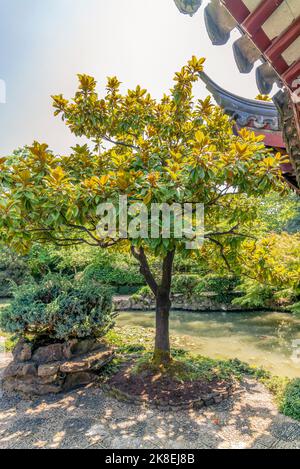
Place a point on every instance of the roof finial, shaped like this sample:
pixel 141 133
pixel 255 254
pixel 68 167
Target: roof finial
pixel 188 7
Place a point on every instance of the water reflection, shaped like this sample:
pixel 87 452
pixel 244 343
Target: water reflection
pixel 263 339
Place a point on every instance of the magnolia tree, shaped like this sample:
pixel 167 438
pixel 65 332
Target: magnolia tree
pixel 177 152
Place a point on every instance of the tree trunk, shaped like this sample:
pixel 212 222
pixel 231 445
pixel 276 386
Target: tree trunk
pixel 162 355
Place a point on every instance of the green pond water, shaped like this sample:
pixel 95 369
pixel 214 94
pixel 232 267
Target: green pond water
pixel 262 339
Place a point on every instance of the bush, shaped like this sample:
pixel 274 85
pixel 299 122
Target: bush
pixel 255 295
pixel 189 265
pixel 290 405
pixel 13 271
pixel 185 284
pixel 222 286
pixel 118 274
pixel 145 292
pixel 295 308
pixel 57 309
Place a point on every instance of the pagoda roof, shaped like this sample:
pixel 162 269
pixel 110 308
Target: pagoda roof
pixel 270 33
pixel 262 117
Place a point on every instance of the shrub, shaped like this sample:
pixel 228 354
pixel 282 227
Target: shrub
pixel 13 271
pixel 290 405
pixel 222 286
pixel 255 294
pixel 295 308
pixel 119 276
pixel 145 291
pixel 189 265
pixel 57 309
pixel 185 283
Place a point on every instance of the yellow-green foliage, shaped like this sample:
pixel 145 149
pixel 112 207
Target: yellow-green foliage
pixel 274 259
pixel 178 149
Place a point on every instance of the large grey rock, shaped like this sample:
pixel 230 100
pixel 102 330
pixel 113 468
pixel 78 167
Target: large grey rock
pixel 20 370
pixel 22 351
pixel 75 347
pixel 92 361
pixel 30 388
pixel 75 380
pixel 48 370
pixel 48 354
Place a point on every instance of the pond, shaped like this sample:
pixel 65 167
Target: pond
pixel 262 339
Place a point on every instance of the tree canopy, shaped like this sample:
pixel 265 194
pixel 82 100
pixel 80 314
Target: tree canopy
pixel 175 150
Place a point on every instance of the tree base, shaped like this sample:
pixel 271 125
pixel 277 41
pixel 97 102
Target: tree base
pixel 165 388
pixel 161 358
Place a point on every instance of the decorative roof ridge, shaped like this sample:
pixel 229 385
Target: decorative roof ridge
pixel 245 111
pixel 217 90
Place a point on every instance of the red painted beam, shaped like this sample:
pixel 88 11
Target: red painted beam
pixel 284 40
pixel 252 23
pixel 259 16
pixel 272 139
pixel 292 73
pixel 237 9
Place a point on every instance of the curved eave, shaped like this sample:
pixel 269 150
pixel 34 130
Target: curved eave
pixel 265 112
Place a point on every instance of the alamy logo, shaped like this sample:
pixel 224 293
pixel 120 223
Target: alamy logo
pixel 138 221
pixel 2 92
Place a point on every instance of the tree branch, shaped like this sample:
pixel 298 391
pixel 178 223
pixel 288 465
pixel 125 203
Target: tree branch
pixel 145 269
pixel 123 144
pixel 222 252
pixel 229 232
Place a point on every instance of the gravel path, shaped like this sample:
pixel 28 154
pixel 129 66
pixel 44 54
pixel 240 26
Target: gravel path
pixel 87 418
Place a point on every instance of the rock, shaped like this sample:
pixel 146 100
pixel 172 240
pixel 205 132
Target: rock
pixel 68 348
pixel 122 303
pixel 19 370
pixel 218 400
pixel 48 354
pixel 75 380
pixel 49 380
pixel 74 366
pixel 101 359
pixel 198 404
pixel 209 402
pixel 92 361
pixel 75 347
pixel 47 370
pixel 30 388
pixel 22 351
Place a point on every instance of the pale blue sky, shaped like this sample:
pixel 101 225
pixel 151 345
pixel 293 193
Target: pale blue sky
pixel 45 43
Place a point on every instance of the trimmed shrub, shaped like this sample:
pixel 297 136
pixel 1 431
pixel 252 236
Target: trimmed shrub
pixel 290 405
pixel 295 308
pixel 185 283
pixel 57 309
pixel 222 286
pixel 255 295
pixel 13 271
pixel 119 276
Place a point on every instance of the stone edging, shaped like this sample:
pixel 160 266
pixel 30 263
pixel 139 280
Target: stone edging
pixel 55 368
pixel 204 401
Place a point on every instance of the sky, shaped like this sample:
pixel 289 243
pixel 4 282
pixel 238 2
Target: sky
pixel 44 44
